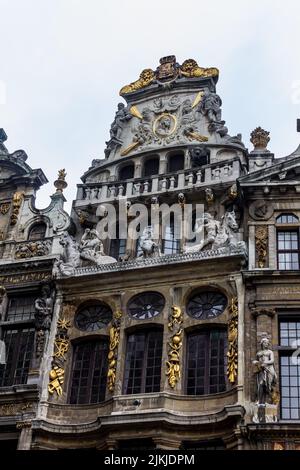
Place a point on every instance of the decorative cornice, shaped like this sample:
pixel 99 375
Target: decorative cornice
pixel 158 261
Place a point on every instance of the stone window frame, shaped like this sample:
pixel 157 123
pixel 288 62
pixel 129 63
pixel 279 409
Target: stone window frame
pixel 292 226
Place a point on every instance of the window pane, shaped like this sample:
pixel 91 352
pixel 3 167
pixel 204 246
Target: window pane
pixel 206 362
pixel 290 388
pixel 89 375
pixel 21 308
pixel 143 362
pixel 19 348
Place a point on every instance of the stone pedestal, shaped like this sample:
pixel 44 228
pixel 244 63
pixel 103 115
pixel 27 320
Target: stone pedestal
pixel 263 413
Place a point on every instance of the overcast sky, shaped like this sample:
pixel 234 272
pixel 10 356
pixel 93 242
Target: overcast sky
pixel 63 62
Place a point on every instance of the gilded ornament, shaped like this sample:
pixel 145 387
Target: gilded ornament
pixel 164 125
pixel 191 69
pixel 175 318
pixel 195 136
pixel 135 112
pixel 63 324
pixel 261 245
pixel 61 346
pixel 128 149
pixel 232 354
pixel 4 208
pixel 198 98
pixel 173 364
pixel 147 76
pixel 114 340
pixel 56 376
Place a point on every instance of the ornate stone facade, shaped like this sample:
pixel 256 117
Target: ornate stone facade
pixel 177 340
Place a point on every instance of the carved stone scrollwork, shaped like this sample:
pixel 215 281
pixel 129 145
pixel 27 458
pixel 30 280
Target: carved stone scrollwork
pixel 232 354
pixel 261 245
pixel 61 347
pixel 114 339
pixel 4 208
pixel 175 344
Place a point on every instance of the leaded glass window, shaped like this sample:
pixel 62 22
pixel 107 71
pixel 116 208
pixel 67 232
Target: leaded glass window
pixel 93 317
pixel 146 305
pixel 143 362
pixel 19 348
pixel 206 362
pixel 89 372
pixel 205 305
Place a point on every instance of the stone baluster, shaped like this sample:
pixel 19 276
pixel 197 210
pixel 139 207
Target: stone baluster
pixel 120 190
pixel 112 190
pixel 164 183
pixel 216 172
pixel 154 187
pixel 94 193
pixel 137 188
pixel 87 193
pixel 129 189
pixel 172 183
pixel 227 170
pixel 146 186
pixel 198 175
pixel 190 179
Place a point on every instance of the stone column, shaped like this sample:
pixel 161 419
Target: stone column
pixel 25 438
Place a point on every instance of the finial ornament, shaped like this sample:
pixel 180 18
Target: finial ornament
pixel 61 184
pixel 260 138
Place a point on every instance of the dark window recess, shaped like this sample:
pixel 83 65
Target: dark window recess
pixel 146 305
pixel 288 249
pixel 176 163
pixel 117 245
pixel 151 167
pixel 126 173
pixel 143 362
pixel 37 232
pixel 93 317
pixel 206 362
pixel 21 308
pixel 170 244
pixel 89 372
pixel 287 219
pixel 205 305
pixel 19 348
pixel 289 333
pixel 213 444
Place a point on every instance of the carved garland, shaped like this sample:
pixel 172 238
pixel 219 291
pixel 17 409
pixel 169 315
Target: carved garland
pixel 261 245
pixel 16 204
pixel 61 347
pixel 114 340
pixel 175 344
pixel 232 354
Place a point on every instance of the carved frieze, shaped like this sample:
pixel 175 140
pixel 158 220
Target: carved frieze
pixel 11 409
pixel 174 345
pixel 33 249
pixel 114 339
pixel 261 245
pixel 232 354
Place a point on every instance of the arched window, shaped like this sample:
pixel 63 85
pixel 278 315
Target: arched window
pixel 126 172
pixel 117 247
pixel 288 250
pixel 171 240
pixel 287 219
pixel 175 162
pixel 206 304
pixel 206 362
pixel 143 362
pixel 37 231
pixel 93 317
pixel 146 305
pixel 151 166
pixel 89 372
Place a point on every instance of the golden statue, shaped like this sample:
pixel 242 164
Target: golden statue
pixel 146 78
pixel 191 69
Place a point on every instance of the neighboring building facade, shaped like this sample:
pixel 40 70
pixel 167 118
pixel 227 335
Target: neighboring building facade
pixel 160 341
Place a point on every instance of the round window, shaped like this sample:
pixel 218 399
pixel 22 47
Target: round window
pixel 146 305
pixel 93 317
pixel 205 305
